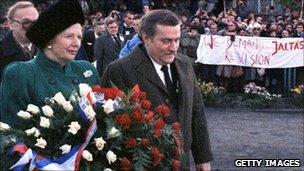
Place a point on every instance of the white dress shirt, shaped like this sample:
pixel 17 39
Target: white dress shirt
pixel 159 72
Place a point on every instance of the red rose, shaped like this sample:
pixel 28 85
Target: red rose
pixel 176 126
pixel 124 120
pixel 131 142
pixel 164 110
pixel 156 155
pixel 157 133
pixel 134 97
pixel 145 142
pixel 142 95
pixel 125 164
pixel 146 104
pixel 176 164
pixel 159 123
pixel 149 116
pixel 154 152
pixel 137 115
pixel 110 93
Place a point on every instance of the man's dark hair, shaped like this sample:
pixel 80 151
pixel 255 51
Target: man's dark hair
pixel 125 14
pixel 157 17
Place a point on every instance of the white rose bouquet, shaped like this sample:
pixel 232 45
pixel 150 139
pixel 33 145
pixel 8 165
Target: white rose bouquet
pixel 53 134
pixel 98 129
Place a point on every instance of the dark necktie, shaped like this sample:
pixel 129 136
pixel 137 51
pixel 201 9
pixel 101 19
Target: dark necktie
pixel 168 81
pixel 117 41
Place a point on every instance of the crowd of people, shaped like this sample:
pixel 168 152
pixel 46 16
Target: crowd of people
pixel 109 37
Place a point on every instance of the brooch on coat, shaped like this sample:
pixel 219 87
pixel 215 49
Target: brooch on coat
pixel 88 73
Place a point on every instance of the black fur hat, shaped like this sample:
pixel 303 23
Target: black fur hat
pixel 54 20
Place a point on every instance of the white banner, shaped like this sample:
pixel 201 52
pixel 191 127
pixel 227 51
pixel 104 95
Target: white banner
pixel 260 52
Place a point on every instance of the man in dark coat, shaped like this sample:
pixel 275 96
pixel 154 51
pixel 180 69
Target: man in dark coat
pixel 166 77
pixel 108 46
pixel 89 38
pixel 15 46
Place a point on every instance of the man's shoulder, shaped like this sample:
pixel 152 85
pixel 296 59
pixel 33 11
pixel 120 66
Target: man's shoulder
pixel 186 60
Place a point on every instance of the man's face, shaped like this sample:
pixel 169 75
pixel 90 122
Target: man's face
pixel 163 46
pixel 129 19
pixel 136 25
pixel 99 29
pixel 300 29
pixel 213 29
pixel 21 21
pixel 231 26
pixel 113 29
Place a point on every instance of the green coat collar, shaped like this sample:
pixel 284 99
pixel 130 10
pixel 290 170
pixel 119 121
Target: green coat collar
pixel 50 65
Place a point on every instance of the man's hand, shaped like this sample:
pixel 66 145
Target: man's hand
pixel 203 167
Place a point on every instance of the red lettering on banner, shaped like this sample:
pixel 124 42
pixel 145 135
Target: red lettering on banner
pixel 210 42
pixel 288 46
pixel 260 59
pixel 255 44
pixel 228 57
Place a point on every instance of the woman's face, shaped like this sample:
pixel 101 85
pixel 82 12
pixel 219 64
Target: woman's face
pixel 66 44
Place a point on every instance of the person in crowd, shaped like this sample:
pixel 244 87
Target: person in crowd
pixel 289 28
pixel 241 9
pixel 134 41
pixel 57 33
pixel 15 46
pixel 108 46
pixel 4 28
pixel 126 26
pixel 273 77
pixel 188 46
pixel 146 9
pixel 299 32
pixel 89 38
pixel 166 77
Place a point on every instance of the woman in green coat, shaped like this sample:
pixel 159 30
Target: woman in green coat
pixel 57 33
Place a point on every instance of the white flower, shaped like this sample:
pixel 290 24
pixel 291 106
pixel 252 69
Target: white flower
pixel 74 127
pixel 41 143
pixel 67 106
pixel 4 126
pixel 88 73
pixel 84 89
pixel 108 107
pixel 31 131
pixel 107 169
pixel 87 155
pixel 44 122
pixel 65 148
pixel 99 143
pixel 24 115
pixel 111 157
pixel 47 111
pixel 33 109
pixel 90 112
pixel 59 98
pixel 113 133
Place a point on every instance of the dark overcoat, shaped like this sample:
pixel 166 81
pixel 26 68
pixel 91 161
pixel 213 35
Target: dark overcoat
pixel 137 68
pixel 106 51
pixel 10 51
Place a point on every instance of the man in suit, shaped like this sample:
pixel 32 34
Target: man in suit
pixel 108 46
pixel 168 78
pixel 15 46
pixel 89 38
pixel 126 26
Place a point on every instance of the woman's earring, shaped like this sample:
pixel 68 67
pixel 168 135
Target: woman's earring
pixel 49 47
